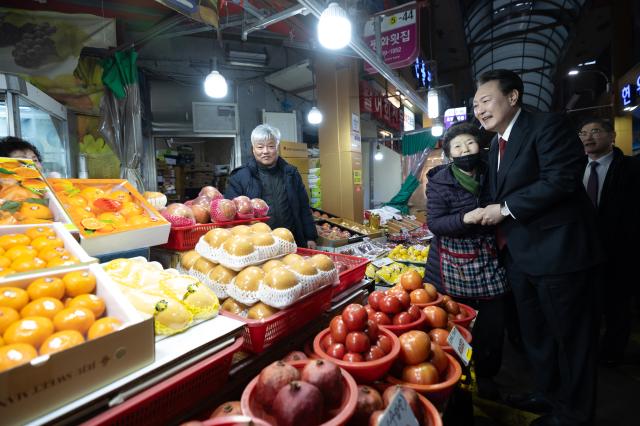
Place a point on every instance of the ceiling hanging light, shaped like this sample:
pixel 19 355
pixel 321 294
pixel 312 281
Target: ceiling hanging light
pixel 437 129
pixel 379 155
pixel 215 85
pixel 433 104
pixel 314 116
pixel 334 27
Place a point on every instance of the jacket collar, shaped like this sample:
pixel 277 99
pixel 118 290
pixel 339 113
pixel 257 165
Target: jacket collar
pixel 252 164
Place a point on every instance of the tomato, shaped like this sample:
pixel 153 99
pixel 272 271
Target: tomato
pixel 445 299
pixel 370 311
pixel 438 358
pixel 414 311
pixel 415 347
pixel 355 317
pixel 327 341
pixel 385 343
pixel 381 318
pixel 375 352
pixel 452 307
pixel 390 304
pixel 461 316
pixel 411 280
pixel 436 316
pixel 421 374
pixel 357 341
pixel 372 330
pixel 352 357
pixel 403 297
pixel 419 296
pixel 402 318
pixel 439 335
pixel 431 289
pixel 337 350
pixel 338 329
pixel 374 299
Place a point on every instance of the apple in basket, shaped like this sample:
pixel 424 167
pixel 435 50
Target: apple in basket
pixel 222 210
pixel 260 207
pixel 244 207
pixel 211 192
pixel 178 214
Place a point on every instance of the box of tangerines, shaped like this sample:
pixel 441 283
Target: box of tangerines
pixel 28 249
pixel 63 335
pixel 25 197
pixel 110 215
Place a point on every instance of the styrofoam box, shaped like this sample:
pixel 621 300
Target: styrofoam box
pixel 70 244
pixel 51 381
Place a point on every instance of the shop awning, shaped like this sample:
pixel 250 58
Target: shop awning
pixel 416 142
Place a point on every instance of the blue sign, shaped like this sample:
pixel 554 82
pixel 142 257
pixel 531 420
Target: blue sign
pixel 422 73
pixel 626 95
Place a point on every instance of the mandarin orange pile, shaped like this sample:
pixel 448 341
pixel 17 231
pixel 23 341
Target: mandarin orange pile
pixel 22 188
pixel 99 209
pixel 37 248
pixel 49 315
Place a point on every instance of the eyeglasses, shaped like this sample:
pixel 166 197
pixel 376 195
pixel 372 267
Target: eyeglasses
pixel 592 132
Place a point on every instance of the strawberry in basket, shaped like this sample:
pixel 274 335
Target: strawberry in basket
pixel 222 210
pixel 260 208
pixel 178 215
pixel 244 207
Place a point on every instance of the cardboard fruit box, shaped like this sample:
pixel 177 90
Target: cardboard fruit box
pixel 117 237
pixel 50 381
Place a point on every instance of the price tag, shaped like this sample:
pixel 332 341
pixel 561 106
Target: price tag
pixel 419 247
pixel 382 262
pixel 459 345
pixel 398 413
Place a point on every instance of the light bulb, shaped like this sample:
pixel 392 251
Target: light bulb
pixel 573 72
pixel 437 129
pixel 215 85
pixel 314 116
pixel 334 27
pixel 379 155
pixel 433 105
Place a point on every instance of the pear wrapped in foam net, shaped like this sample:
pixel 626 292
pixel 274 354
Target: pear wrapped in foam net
pixel 197 297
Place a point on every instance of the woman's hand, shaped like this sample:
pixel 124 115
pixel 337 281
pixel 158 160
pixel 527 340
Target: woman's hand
pixel 473 217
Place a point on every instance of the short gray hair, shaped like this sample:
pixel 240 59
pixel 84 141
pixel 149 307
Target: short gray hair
pixel 264 133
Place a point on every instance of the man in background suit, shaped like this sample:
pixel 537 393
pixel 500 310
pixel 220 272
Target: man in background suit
pixel 546 232
pixel 612 181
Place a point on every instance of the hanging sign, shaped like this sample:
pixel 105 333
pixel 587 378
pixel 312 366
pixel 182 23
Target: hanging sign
pixel 376 104
pixel 399 36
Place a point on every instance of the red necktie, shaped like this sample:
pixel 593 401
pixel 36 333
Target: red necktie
pixel 502 145
pixel 501 240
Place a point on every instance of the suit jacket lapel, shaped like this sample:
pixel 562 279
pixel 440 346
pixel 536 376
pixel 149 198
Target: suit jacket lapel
pixel 516 140
pixel 493 166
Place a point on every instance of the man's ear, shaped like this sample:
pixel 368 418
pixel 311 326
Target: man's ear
pixel 513 97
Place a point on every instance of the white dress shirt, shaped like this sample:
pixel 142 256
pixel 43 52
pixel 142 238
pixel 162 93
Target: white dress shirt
pixel 604 163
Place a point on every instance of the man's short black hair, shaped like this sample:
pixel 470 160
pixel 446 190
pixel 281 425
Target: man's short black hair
pixel 11 143
pixel 507 80
pixel 605 124
pixel 457 130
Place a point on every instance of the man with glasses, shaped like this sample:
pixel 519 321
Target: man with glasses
pixel 277 182
pixel 612 181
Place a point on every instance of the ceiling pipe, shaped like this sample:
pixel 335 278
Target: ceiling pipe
pixel 358 46
pixel 276 17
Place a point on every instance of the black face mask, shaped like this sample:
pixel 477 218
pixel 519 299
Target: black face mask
pixel 468 162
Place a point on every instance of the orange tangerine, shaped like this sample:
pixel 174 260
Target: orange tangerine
pixel 13 297
pixel 43 243
pixel 90 301
pixel 7 317
pixel 63 260
pixel 138 220
pixel 79 319
pixel 19 250
pixel 6 271
pixel 1 341
pixel 60 341
pixel 79 213
pixel 74 201
pixel 108 228
pixel 26 172
pixel 48 254
pixel 9 240
pixel 120 195
pixel 90 193
pixel 92 224
pixel 61 184
pixel 1 251
pixel 104 326
pixel 4 261
pixel 116 219
pixel 46 307
pixel 79 282
pixel 35 184
pixel 31 330
pixel 27 263
pixel 39 231
pixel 67 301
pixel 46 287
pixel 130 208
pixel 16 354
pixel 35 211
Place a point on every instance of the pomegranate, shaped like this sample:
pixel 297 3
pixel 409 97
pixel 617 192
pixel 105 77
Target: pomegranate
pixel 375 418
pixel 201 214
pixel 327 377
pixel 178 214
pixel 222 210
pixel 260 208
pixel 244 207
pixel 230 408
pixel 298 403
pixel 294 356
pixel 211 192
pixel 272 378
pixel 369 400
pixel 410 396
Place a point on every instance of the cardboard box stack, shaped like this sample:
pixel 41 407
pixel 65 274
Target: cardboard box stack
pixel 199 175
pixel 296 154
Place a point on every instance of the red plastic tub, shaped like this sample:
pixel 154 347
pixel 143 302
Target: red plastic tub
pixel 356 267
pixel 471 314
pixel 467 336
pixel 335 417
pixel 431 414
pixel 172 397
pixel 434 303
pixel 439 392
pixel 260 334
pixel 186 237
pixel 366 371
pixel 234 421
pixel 399 329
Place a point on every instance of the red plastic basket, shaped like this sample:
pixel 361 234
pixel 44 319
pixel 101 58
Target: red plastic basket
pixel 166 401
pixel 356 267
pixel 260 334
pixel 471 314
pixel 186 237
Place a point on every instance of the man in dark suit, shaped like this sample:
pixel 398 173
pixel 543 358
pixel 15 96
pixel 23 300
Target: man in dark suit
pixel 546 232
pixel 612 181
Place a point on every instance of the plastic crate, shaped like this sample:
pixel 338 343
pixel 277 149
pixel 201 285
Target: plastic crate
pixel 348 278
pixel 186 237
pixel 260 334
pixel 169 399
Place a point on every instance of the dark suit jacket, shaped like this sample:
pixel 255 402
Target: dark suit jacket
pixel 540 178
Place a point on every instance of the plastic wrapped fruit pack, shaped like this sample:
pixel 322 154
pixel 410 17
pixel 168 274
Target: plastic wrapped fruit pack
pixel 174 300
pixel 242 246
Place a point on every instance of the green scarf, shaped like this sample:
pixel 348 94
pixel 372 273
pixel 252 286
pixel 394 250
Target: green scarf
pixel 467 182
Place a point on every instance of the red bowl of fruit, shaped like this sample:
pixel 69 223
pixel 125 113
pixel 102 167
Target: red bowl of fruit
pixel 431 414
pixel 363 371
pixel 437 392
pixel 442 339
pixel 299 400
pixel 235 421
pixel 470 315
pixel 398 329
pixel 435 302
